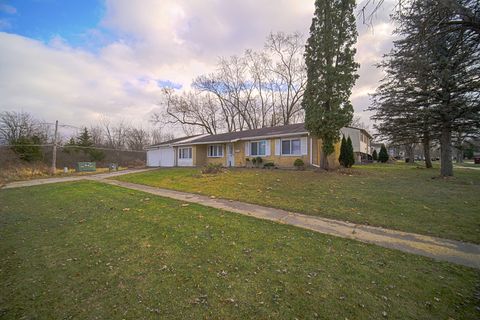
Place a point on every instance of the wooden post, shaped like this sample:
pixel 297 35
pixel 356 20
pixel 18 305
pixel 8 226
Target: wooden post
pixel 54 152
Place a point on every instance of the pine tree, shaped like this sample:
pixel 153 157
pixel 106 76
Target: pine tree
pixel 27 148
pixel 343 152
pixel 374 155
pixel 331 72
pixel 431 89
pixel 350 153
pixel 383 155
pixel 84 143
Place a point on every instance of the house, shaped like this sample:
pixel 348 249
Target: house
pixel 281 145
pixel 361 142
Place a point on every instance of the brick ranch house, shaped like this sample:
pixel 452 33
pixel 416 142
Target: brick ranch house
pixel 281 145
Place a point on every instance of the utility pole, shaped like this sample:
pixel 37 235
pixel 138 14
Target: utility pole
pixel 54 153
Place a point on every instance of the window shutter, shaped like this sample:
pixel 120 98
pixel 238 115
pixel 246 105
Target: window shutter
pixel 267 148
pixel 247 148
pixel 278 146
pixel 304 145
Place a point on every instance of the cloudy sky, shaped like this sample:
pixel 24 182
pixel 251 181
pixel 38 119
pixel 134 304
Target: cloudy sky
pixel 78 60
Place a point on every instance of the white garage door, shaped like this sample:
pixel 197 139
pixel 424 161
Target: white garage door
pixel 163 157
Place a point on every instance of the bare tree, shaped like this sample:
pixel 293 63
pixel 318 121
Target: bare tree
pixel 15 125
pixel 137 138
pixel 190 109
pixel 115 134
pixel 289 72
pixel 157 136
pixel 358 123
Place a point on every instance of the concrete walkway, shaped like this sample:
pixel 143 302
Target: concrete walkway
pixel 99 176
pixel 458 252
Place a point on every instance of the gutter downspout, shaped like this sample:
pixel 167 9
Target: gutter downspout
pixel 311 153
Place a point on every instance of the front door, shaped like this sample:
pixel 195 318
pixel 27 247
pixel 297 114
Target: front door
pixel 230 155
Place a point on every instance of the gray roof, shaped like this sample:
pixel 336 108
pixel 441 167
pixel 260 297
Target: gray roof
pixel 297 128
pixel 176 140
pixel 290 129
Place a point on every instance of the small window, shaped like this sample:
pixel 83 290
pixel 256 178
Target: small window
pixel 185 153
pixel 215 151
pixel 258 148
pixel 291 147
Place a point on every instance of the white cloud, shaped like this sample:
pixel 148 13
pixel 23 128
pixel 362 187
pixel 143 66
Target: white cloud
pixel 157 40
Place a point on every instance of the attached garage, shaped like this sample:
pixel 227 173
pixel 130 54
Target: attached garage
pixel 161 157
pixel 163 154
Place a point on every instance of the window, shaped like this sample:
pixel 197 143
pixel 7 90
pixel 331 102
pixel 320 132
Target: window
pixel 258 148
pixel 215 151
pixel 292 146
pixel 185 153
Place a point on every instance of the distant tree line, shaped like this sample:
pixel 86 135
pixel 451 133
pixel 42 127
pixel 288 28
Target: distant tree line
pixel 26 134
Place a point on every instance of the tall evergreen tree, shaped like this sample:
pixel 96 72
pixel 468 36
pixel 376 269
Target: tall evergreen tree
pixel 432 88
pixel 350 153
pixel 374 155
pixel 383 155
pixel 331 72
pixel 343 152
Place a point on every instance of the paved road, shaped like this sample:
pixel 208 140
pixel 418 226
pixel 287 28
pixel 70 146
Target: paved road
pixel 458 252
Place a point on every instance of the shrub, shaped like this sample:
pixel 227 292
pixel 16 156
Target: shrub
pixel 254 161
pixel 374 155
pixel 27 149
pixel 299 164
pixel 212 168
pixel 383 155
pixel 258 161
pixel 269 165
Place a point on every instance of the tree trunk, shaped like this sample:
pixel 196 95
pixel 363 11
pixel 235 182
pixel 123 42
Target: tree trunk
pixel 325 161
pixel 426 152
pixel 459 155
pixel 446 164
pixel 410 150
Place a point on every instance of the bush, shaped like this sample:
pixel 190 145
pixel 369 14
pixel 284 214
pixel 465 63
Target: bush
pixel 299 164
pixel 258 161
pixel 269 165
pixel 383 155
pixel 374 155
pixel 27 149
pixel 212 168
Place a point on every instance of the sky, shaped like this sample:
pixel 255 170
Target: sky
pixel 79 61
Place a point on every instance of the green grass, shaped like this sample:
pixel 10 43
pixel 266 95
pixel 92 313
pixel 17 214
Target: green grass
pixel 396 196
pixel 467 165
pixel 73 250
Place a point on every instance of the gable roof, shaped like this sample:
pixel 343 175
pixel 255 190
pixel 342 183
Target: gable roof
pixel 291 129
pixel 174 141
pixel 278 131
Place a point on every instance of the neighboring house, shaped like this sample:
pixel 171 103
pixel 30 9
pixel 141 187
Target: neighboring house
pixel 361 142
pixel 281 145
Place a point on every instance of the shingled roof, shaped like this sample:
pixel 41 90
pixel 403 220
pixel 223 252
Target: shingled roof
pixel 174 141
pixel 293 129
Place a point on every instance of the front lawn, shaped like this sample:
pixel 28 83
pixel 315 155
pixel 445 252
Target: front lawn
pixel 396 196
pixel 87 250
